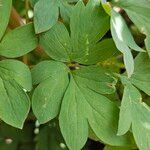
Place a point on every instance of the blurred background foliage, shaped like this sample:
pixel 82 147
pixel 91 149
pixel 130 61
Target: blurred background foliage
pixel 48 136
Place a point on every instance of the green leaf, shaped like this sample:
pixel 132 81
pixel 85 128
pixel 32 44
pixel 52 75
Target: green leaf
pixel 19 41
pixel 16 70
pixel 123 40
pixel 141 126
pixel 138 12
pixel 101 52
pixel 95 78
pixel 71 118
pixel 141 75
pixel 82 45
pixel 56 42
pixel 5 9
pixel 47 96
pixel 134 111
pixel 46 15
pixel 14 104
pixel 99 111
pixel 91 18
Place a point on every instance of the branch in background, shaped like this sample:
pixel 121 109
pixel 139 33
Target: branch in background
pixel 15 19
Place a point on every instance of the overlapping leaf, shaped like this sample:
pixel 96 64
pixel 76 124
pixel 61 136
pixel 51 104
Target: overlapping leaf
pixel 102 114
pixel 136 113
pixel 47 13
pixel 141 76
pixel 47 97
pixel 15 78
pixel 5 9
pixel 138 12
pixel 18 41
pixel 82 45
pixel 123 40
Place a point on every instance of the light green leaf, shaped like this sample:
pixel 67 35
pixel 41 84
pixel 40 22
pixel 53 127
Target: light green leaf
pixel 141 126
pixel 14 103
pixel 82 46
pixel 138 12
pixel 123 40
pixel 5 9
pixel 99 111
pixel 19 41
pixel 46 15
pixel 16 70
pixel 95 78
pixel 138 111
pixel 130 95
pixel 141 76
pixel 71 118
pixel 56 42
pixel 91 18
pixel 122 31
pixel 47 96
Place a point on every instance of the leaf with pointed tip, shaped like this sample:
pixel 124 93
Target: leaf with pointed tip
pixel 19 41
pixel 123 40
pixel 5 9
pixel 47 96
pixel 99 111
pixel 141 75
pixel 71 118
pixel 138 111
pixel 91 18
pixel 82 45
pixel 14 104
pixel 138 12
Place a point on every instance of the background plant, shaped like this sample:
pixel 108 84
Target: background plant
pixel 73 72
